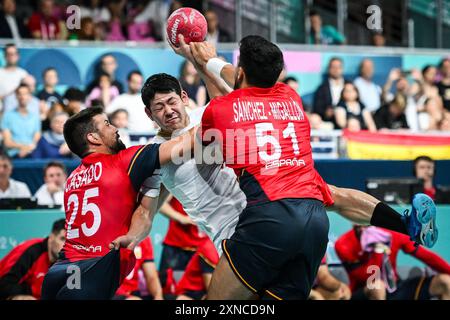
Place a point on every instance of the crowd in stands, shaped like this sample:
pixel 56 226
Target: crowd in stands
pixel 413 100
pixel 100 20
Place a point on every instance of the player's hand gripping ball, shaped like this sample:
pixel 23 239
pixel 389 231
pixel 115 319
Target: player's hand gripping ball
pixel 188 22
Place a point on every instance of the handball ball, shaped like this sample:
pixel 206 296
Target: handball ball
pixel 188 22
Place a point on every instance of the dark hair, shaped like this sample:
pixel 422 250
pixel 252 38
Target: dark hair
pixel 74 94
pixel 58 226
pixel 4 156
pixel 421 158
pixel 7 46
pixel 261 60
pixel 287 79
pixel 159 83
pixel 426 68
pixel 56 164
pixel 22 85
pixel 334 59
pixel 47 70
pixel 354 87
pixel 133 72
pixel 313 12
pixel 77 127
pixel 115 113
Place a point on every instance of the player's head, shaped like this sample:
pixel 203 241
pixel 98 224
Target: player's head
pixel 90 131
pixel 56 239
pixel 260 63
pixel 165 102
pixel 424 168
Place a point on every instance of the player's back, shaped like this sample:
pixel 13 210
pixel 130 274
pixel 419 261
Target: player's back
pixel 99 201
pixel 266 140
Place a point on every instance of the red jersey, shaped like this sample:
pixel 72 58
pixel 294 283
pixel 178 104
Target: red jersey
pixel 358 263
pixel 143 253
pixel 203 261
pixel 265 138
pixel 22 270
pixel 48 27
pixel 187 237
pixel 100 198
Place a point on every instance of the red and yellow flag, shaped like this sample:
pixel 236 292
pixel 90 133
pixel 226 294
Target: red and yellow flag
pixel 396 146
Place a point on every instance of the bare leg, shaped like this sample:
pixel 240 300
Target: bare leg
pixel 225 285
pixel 377 292
pixel 440 286
pixel 354 205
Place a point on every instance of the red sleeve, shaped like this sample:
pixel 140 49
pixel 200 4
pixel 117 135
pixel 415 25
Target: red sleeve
pixel 34 24
pixel 147 250
pixel 432 260
pixel 345 248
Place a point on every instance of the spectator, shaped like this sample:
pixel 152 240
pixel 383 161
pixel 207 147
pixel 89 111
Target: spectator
pixel 87 32
pixel 430 114
pixel 197 277
pixel 95 10
pixel 43 24
pixel 364 248
pixel 108 64
pixel 119 119
pixel 74 101
pixel 328 94
pixel 392 115
pixel 10 26
pixel 104 92
pixel 129 289
pixel 444 84
pixel 292 82
pixel 132 103
pixel 22 270
pixel 327 287
pixel 34 105
pixel 350 107
pixel 370 93
pixel 21 128
pixel 409 92
pixel 52 144
pixel 116 25
pixel 378 40
pixel 429 89
pixel 48 94
pixel 11 75
pixel 191 83
pixel 215 33
pixel 10 188
pixel 323 34
pixel 155 13
pixel 51 193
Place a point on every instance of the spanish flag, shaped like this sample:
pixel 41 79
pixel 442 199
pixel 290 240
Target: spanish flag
pixel 396 146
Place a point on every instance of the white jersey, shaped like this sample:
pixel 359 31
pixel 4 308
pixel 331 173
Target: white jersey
pixel 210 193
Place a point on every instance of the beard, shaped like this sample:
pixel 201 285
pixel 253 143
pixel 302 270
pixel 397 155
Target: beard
pixel 118 146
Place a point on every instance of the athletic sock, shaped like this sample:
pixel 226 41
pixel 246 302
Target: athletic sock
pixel 386 217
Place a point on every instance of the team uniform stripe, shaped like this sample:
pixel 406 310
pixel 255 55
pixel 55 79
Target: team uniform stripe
pixel 234 268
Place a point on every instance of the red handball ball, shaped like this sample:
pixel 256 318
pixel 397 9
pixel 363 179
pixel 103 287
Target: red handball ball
pixel 188 22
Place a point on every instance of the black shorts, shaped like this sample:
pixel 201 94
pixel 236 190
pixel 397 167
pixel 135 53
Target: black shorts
pixel 278 246
pixel 417 288
pixel 91 279
pixel 412 289
pixel 173 258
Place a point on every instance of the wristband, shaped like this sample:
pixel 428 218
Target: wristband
pixel 215 66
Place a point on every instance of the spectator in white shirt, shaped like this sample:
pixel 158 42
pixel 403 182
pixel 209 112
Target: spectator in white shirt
pixel 10 188
pixel 11 27
pixel 132 103
pixel 51 193
pixel 11 75
pixel 370 93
